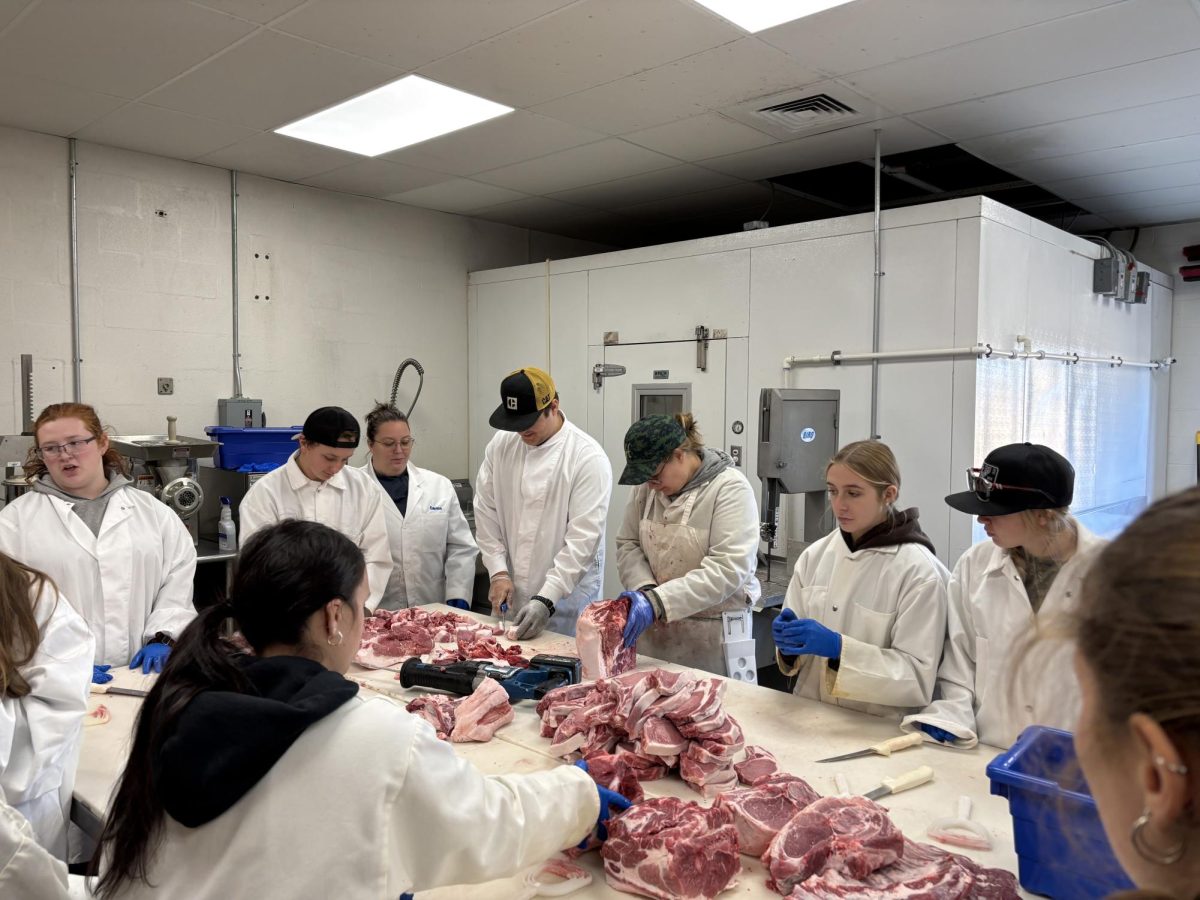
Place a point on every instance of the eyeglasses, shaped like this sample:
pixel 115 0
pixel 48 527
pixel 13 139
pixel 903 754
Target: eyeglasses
pixel 405 443
pixel 55 450
pixel 983 481
pixel 657 476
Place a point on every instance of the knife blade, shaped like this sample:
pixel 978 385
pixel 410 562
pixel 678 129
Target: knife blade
pixel 886 748
pixel 128 692
pixel 900 783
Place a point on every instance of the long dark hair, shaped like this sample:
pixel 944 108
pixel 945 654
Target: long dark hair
pixel 284 574
pixel 20 588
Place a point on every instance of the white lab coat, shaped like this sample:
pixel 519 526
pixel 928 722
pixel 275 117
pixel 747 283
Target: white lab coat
pixel 130 582
pixel 991 621
pixel 433 552
pixel 349 502
pixel 539 515
pixel 889 605
pixel 40 732
pixel 413 817
pixel 26 869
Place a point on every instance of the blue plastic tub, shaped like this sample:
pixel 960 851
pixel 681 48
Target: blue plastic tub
pixel 255 447
pixel 1062 850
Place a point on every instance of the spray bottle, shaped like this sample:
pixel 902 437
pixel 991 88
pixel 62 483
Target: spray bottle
pixel 226 529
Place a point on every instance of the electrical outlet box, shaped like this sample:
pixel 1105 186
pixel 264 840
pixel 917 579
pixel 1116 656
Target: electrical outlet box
pixel 166 387
pixel 1108 277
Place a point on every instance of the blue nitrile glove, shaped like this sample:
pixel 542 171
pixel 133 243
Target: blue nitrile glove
pixel 798 637
pixel 938 734
pixel 641 616
pixel 608 799
pixel 459 604
pixel 150 658
pixel 100 675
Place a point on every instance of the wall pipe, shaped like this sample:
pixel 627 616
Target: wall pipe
pixel 233 221
pixel 76 339
pixel 877 288
pixel 981 351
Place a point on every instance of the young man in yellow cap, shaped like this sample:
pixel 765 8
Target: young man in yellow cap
pixel 541 501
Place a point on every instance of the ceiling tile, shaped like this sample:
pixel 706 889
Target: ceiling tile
pixel 1118 203
pixel 123 49
pixel 1070 98
pixel 1087 223
pixel 375 178
pixel 1158 215
pixel 871 33
pixel 642 188
pixel 10 9
pixel 1112 36
pixel 576 167
pixel 498 142
pixel 275 156
pixel 413 33
pixel 458 195
pixel 683 88
pixel 1140 155
pixel 1153 178
pixel 535 212
pixel 586 44
pixel 261 11
pixel 700 137
pixel 50 107
pixel 727 199
pixel 271 80
pixel 151 129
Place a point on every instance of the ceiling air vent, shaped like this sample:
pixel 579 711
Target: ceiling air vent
pixel 806 113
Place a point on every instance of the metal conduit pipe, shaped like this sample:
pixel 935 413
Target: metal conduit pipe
pixel 875 315
pixel 983 351
pixel 76 339
pixel 233 229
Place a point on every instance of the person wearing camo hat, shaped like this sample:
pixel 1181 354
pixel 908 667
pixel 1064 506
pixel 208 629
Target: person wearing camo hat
pixel 688 545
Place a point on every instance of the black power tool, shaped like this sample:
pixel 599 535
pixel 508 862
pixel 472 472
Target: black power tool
pixel 545 673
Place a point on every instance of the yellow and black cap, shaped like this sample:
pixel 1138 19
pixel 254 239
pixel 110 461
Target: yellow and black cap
pixel 524 395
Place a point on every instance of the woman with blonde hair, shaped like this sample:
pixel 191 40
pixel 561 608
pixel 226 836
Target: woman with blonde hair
pixel 1004 592
pixel 864 619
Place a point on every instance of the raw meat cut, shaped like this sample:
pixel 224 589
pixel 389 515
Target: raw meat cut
pixel 615 772
pixel 437 710
pixel 850 835
pixel 480 715
pixel 98 716
pixel 923 872
pixel 391 636
pixel 600 639
pixel 671 849
pixel 757 767
pixel 760 812
pixel 660 737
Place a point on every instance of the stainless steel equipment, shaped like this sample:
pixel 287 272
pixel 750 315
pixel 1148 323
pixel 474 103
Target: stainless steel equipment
pixel 218 483
pixel 14 450
pixel 165 465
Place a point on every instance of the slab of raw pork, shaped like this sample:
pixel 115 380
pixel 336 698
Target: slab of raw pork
pixel 758 766
pixel 615 772
pixel 923 871
pixel 850 835
pixel 671 849
pixel 437 710
pixel 600 639
pixel 759 813
pixel 480 715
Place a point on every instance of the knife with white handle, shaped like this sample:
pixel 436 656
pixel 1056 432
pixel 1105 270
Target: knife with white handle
pixel 886 748
pixel 912 779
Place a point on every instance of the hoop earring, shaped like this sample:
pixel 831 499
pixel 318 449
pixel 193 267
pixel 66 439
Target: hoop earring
pixel 340 637
pixel 1137 837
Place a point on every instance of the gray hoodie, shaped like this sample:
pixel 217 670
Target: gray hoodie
pixel 91 511
pixel 712 463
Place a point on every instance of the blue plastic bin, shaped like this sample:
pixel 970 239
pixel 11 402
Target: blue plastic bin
pixel 1062 850
pixel 252 446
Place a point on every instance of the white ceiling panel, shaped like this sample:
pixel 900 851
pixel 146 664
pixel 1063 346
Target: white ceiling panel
pixel 48 106
pixel 750 197
pixel 701 137
pixel 1140 155
pixel 123 48
pixel 458 195
pixel 498 142
pixel 271 80
pixel 1154 178
pixel 276 156
pixel 684 88
pixel 1115 204
pixel 544 59
pixel 409 34
pixel 1088 223
pixel 10 9
pixel 578 166
pixel 1125 86
pixel 870 33
pixel 375 178
pixel 1114 35
pixel 536 212
pixel 643 188
pixel 151 129
pixel 261 11
pixel 1158 215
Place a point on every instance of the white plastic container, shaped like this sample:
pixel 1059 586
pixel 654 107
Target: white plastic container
pixel 226 529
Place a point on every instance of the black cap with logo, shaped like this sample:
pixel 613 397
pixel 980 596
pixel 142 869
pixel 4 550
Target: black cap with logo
pixel 524 395
pixel 333 427
pixel 1017 477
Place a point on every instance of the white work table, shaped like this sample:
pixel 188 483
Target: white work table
pixel 796 730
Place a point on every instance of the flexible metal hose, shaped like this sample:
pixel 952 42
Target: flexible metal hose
pixel 420 383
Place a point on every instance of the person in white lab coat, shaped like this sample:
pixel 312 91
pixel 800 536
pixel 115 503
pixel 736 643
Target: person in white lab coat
pixel 1005 591
pixel 270 775
pixel 26 868
pixel 688 544
pixel 541 500
pixel 433 552
pixel 316 485
pixel 122 558
pixel 864 619
pixel 45 674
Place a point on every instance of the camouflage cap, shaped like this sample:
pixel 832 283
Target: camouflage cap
pixel 647 444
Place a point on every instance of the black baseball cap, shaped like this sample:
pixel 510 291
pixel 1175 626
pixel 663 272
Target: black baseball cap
pixel 333 427
pixel 524 395
pixel 1026 476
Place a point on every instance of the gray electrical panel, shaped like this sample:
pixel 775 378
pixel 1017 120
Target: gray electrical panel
pixel 239 412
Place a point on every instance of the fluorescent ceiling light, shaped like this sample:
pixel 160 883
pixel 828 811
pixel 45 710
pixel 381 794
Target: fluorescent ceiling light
pixel 405 112
pixel 758 15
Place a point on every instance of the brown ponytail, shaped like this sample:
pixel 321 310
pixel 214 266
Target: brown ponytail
pixel 20 586
pixel 693 440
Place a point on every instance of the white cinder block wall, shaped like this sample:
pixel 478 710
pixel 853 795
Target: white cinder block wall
pixel 352 286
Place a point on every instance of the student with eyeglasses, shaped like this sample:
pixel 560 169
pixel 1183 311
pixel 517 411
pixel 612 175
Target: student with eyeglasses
pixel 433 552
pixel 995 678
pixel 124 560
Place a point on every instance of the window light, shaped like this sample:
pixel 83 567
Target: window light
pixel 407 111
pixel 758 15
